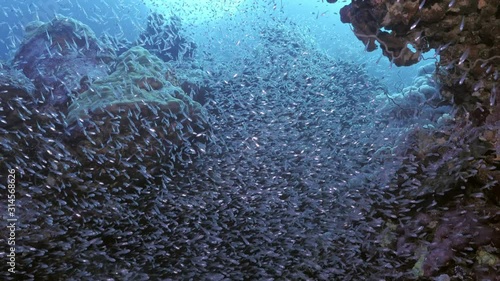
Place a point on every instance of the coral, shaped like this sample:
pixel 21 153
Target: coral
pixel 193 81
pixel 485 258
pixel 16 91
pixel 164 38
pixel 462 33
pixel 59 56
pixel 138 78
pixel 419 102
pixel 137 100
pixel 367 23
pixel 88 151
pixel 454 232
pixel 450 173
pixel 429 68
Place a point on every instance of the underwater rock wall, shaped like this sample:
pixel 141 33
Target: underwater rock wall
pixel 164 38
pixel 137 104
pixel 60 57
pixel 462 33
pixel 449 181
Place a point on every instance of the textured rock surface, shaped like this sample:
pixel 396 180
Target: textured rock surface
pixel 61 57
pixel 137 104
pixel 164 38
pixel 15 91
pixel 462 33
pixel 450 169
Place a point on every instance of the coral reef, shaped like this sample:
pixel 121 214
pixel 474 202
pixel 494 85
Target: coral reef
pixel 461 33
pixel 90 139
pixel 448 187
pixel 420 103
pixel 450 170
pixel 305 173
pixel 455 234
pixel 61 57
pixel 164 38
pixel 139 106
pixel 194 81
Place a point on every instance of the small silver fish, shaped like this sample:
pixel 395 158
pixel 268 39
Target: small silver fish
pixel 421 5
pixel 493 95
pixel 462 23
pixel 464 56
pixel 462 79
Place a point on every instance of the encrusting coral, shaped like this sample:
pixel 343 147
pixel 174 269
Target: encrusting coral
pixel 60 57
pixel 137 100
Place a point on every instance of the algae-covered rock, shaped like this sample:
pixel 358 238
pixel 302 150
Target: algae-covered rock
pixel 60 56
pixel 16 93
pixel 139 78
pixel 485 258
pixel 14 83
pixel 164 38
pixel 141 111
pixel 418 268
pixel 193 80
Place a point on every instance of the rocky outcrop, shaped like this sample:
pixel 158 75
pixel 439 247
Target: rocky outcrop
pixel 61 57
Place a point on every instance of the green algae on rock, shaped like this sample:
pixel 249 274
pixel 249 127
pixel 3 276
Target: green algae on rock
pixel 138 79
pixel 60 56
pixel 137 104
